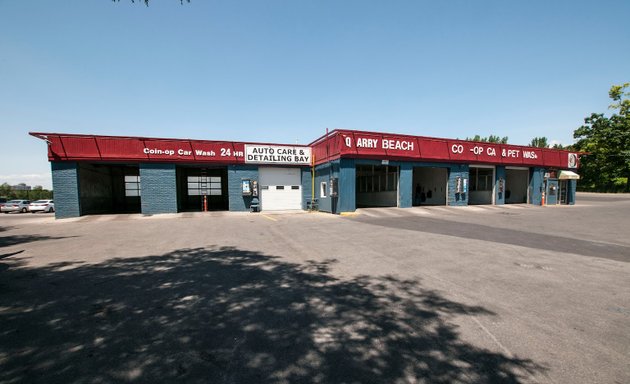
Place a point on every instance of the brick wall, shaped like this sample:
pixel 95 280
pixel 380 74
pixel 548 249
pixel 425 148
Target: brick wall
pixel 457 170
pixel 158 188
pixel 307 184
pixel 499 198
pixel 236 173
pixel 323 173
pixel 405 186
pixel 65 178
pixel 535 185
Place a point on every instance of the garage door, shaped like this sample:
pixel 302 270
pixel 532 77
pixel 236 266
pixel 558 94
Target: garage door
pixel 280 188
pixel 516 185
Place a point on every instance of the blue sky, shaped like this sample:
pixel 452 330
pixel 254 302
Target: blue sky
pixel 284 71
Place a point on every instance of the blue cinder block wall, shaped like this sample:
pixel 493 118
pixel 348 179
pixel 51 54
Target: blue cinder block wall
pixel 158 188
pixel 458 170
pixel 499 197
pixel 323 173
pixel 307 184
pixel 236 174
pixel 347 201
pixel 405 185
pixel 572 186
pixel 65 179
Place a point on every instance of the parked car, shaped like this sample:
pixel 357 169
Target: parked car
pixel 2 201
pixel 15 206
pixel 42 206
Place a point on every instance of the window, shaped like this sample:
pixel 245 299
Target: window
pixel 323 189
pixel 481 179
pixel 132 186
pixel 279 187
pixel 204 185
pixel 377 178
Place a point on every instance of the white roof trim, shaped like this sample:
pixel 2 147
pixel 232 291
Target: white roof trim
pixel 568 175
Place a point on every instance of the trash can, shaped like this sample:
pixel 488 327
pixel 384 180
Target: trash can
pixel 255 205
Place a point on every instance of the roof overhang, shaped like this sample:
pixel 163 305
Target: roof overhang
pixel 568 175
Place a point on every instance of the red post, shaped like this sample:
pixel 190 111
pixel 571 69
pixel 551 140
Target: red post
pixel 205 203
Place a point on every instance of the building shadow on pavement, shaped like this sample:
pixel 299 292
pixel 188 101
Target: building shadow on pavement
pixel 7 241
pixel 226 315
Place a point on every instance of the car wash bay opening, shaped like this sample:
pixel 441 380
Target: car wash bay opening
pixel 339 172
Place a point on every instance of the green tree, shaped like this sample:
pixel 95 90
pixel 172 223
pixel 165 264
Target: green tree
pixel 607 143
pixel 5 190
pixel 539 142
pixel 39 193
pixel 489 139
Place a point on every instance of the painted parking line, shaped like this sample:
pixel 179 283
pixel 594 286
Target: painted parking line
pixel 471 208
pixel 388 212
pixel 515 206
pixel 418 211
pixel 442 210
pixel 368 212
pixel 269 217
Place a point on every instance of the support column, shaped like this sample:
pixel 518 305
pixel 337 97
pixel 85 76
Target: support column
pixel 499 197
pixel 307 187
pixel 571 188
pixel 158 188
pixel 458 171
pixel 535 185
pixel 235 176
pixel 347 186
pixel 405 186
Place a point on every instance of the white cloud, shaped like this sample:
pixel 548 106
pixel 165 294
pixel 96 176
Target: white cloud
pixel 33 179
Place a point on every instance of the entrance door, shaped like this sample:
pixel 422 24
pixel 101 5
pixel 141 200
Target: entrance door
pixel 552 192
pixel 563 191
pixel 280 188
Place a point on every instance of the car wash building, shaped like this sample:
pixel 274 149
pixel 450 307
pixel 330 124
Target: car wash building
pixel 339 172
pixel 107 174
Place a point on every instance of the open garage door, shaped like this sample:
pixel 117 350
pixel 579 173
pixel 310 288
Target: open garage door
pixel 280 188
pixel 106 188
pixel 516 185
pixel 193 183
pixel 429 186
pixel 481 185
pixel 376 186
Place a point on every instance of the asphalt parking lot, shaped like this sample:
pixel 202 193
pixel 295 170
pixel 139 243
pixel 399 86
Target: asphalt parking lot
pixel 515 294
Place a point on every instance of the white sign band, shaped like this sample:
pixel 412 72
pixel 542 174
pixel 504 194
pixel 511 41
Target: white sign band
pixel 276 154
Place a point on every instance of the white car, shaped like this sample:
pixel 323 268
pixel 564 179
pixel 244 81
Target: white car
pixel 15 206
pixel 42 206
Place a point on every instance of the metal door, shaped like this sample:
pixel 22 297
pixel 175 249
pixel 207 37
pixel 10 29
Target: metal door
pixel 552 191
